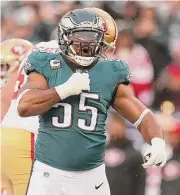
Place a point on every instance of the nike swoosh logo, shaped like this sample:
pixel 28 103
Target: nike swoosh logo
pixel 97 187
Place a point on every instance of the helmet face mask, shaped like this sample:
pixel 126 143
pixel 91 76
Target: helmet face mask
pixel 7 69
pixel 85 43
pixel 81 40
pixel 4 69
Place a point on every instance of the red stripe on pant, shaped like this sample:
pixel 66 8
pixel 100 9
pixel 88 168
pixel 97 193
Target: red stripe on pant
pixel 32 146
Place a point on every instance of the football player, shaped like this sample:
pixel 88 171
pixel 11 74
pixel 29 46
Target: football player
pixel 71 88
pixel 17 141
pixel 13 52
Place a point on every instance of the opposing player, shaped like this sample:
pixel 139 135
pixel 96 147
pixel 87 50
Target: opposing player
pixel 13 51
pixel 71 87
pixel 17 141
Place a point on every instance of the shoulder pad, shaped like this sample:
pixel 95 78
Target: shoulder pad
pixel 35 62
pixel 122 68
pixel 124 71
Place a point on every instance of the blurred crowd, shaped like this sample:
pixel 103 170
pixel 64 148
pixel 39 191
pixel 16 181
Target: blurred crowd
pixel 149 41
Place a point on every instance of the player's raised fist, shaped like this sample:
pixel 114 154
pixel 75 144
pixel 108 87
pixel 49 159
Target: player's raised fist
pixel 74 85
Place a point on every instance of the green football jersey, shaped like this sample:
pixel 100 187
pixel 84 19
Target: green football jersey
pixel 72 133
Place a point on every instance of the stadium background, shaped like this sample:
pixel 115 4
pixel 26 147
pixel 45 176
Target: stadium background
pixel 149 40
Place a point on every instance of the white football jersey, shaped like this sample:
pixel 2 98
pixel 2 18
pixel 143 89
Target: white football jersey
pixel 12 118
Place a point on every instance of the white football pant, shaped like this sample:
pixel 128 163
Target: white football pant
pixel 46 180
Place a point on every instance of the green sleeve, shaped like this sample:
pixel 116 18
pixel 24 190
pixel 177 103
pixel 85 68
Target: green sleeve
pixel 124 72
pixel 35 62
pixel 123 75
